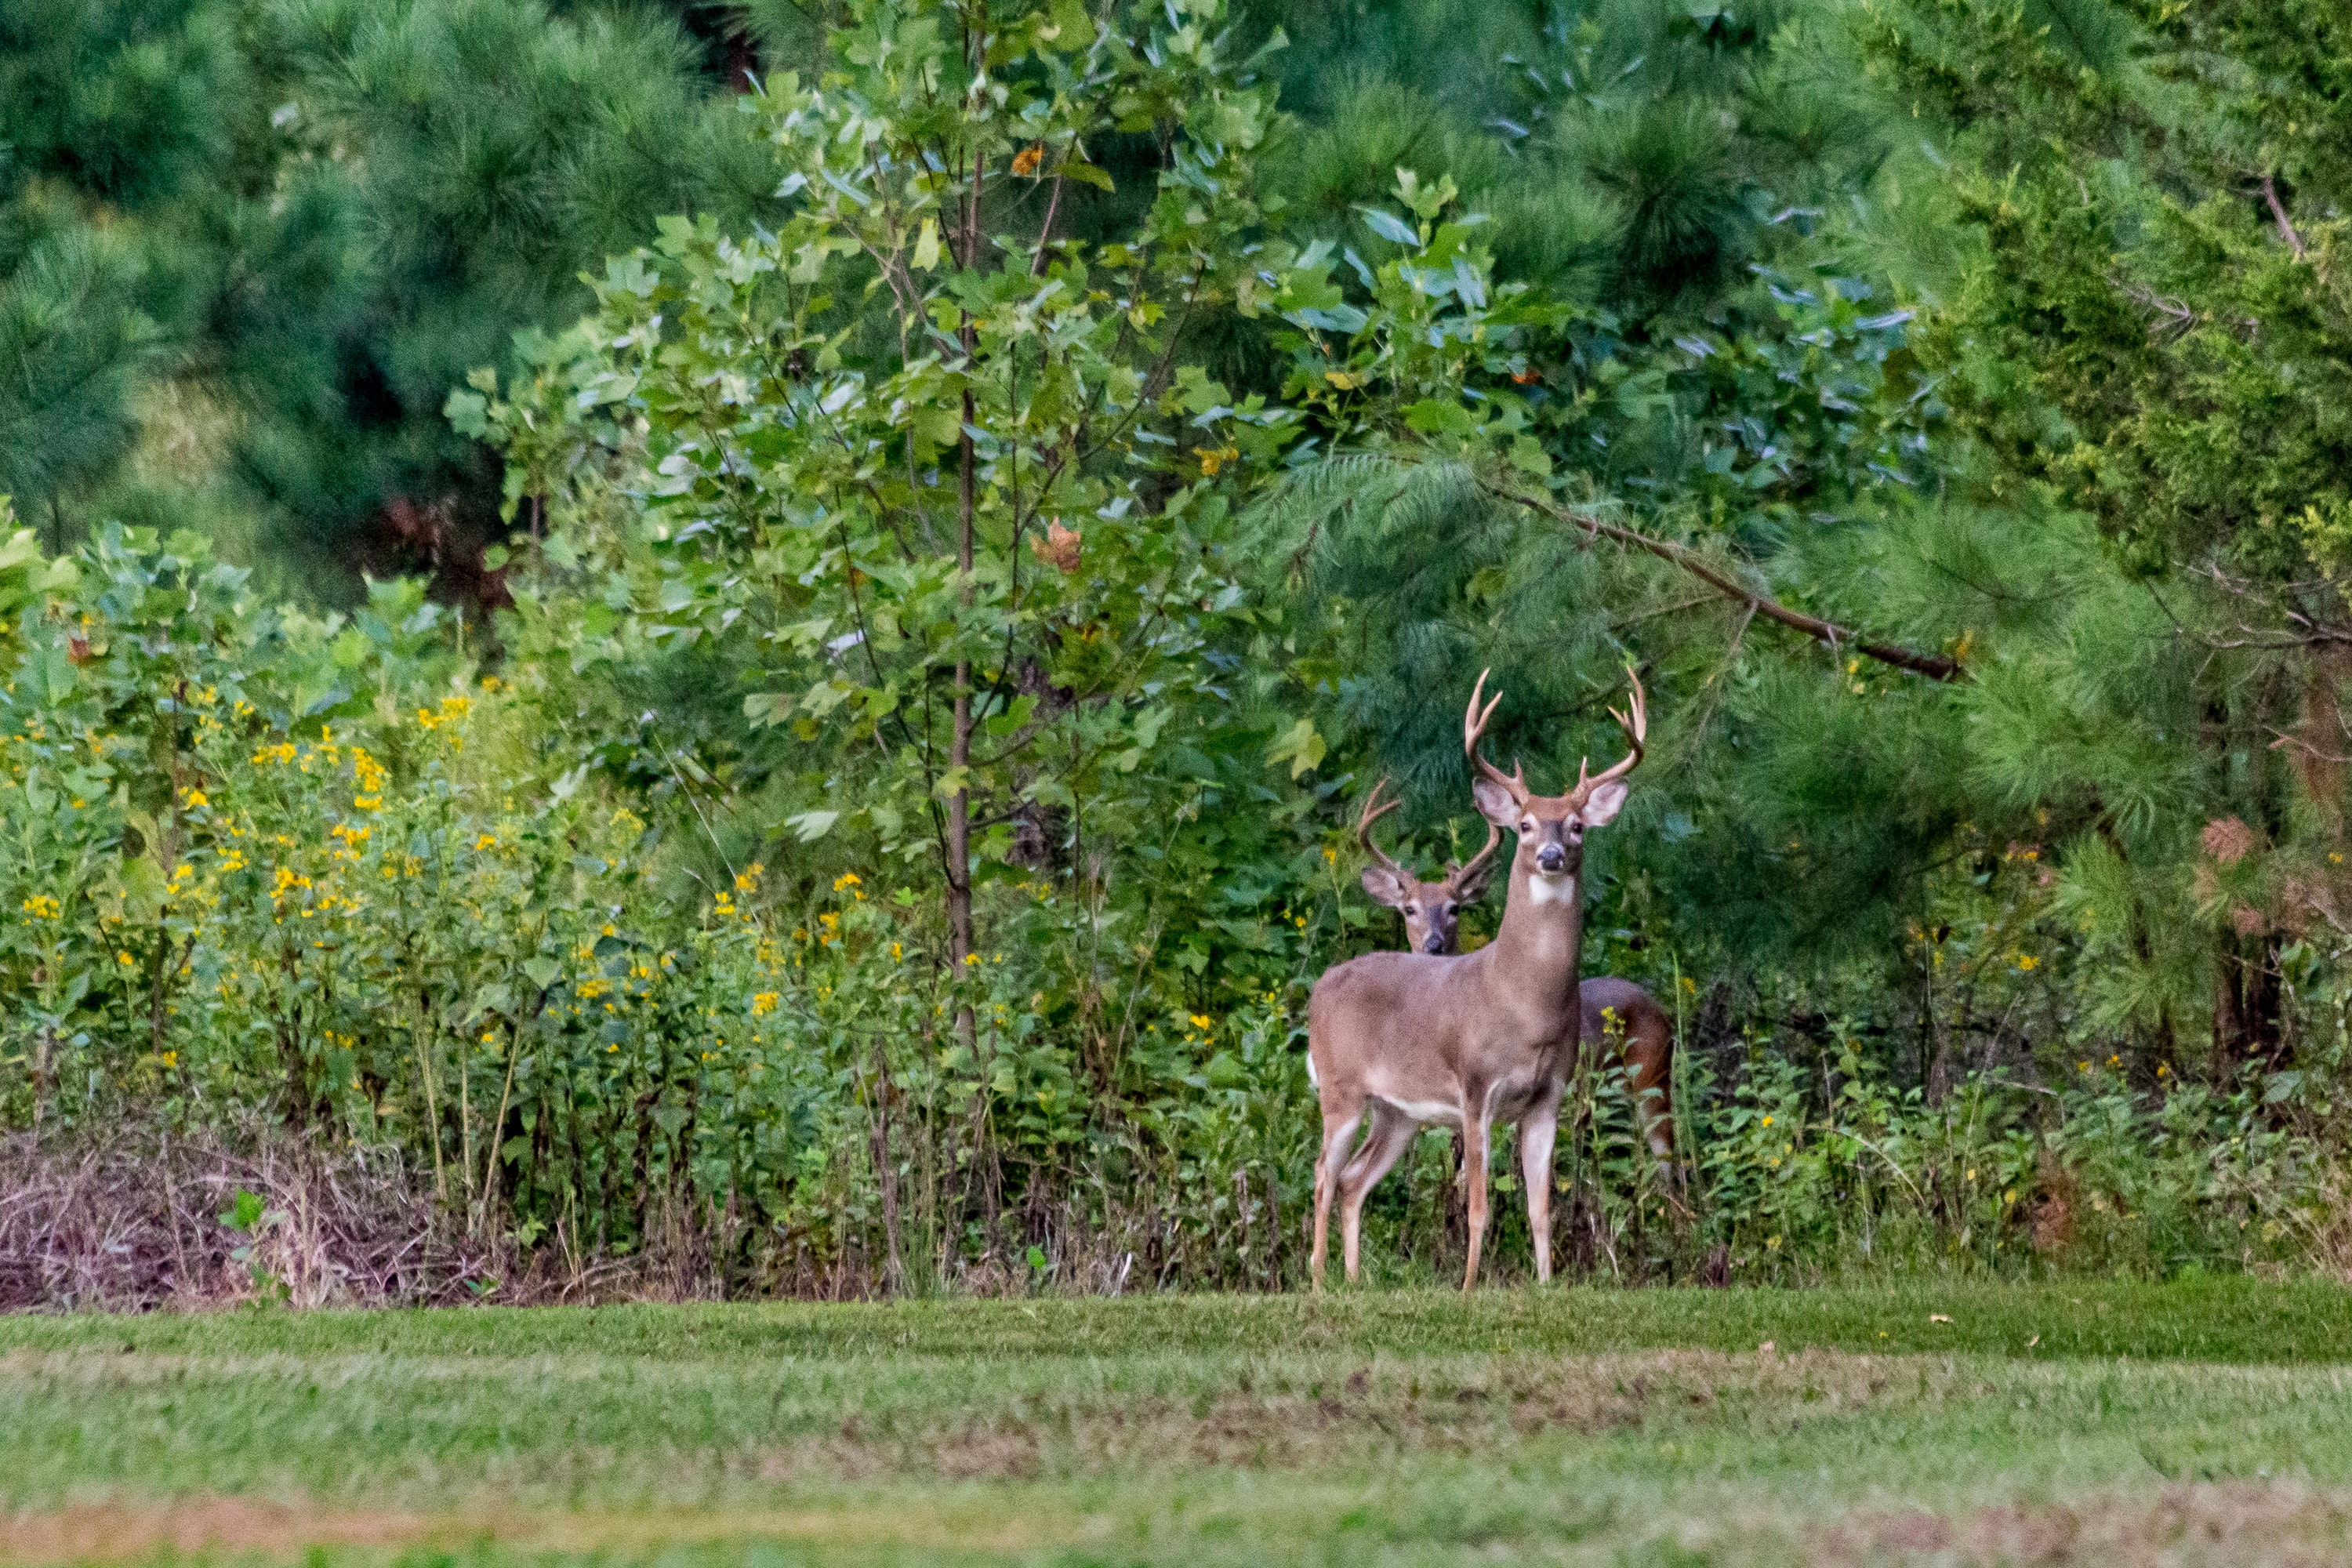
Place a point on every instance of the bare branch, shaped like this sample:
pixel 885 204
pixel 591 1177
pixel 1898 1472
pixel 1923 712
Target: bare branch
pixel 2178 317
pixel 2286 225
pixel 1934 666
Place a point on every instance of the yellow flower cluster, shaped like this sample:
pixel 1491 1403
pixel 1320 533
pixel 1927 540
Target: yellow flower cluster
pixel 370 777
pixel 42 906
pixel 452 708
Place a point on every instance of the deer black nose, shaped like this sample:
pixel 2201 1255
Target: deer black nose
pixel 1552 858
pixel 1435 943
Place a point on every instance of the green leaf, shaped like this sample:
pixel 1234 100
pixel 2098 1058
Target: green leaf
pixel 468 415
pixel 812 826
pixel 1390 228
pixel 1432 416
pixel 1301 746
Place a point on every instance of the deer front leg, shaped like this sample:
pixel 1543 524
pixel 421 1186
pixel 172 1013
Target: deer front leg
pixel 1335 1133
pixel 1477 1131
pixel 1537 1130
pixel 1384 1145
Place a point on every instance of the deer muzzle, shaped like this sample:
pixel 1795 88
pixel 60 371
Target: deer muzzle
pixel 1552 859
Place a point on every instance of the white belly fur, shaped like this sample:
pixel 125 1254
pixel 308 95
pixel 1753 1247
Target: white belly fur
pixel 1442 1112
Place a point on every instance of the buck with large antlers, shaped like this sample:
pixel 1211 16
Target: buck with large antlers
pixel 1407 1038
pixel 1637 1032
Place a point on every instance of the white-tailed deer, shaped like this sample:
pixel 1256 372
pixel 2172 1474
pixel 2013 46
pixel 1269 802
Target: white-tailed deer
pixel 1625 1019
pixel 1431 910
pixel 1471 1040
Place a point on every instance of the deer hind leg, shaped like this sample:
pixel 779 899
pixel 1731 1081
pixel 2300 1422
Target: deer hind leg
pixel 1337 1129
pixel 1649 1064
pixel 1477 1134
pixel 1537 1130
pixel 1384 1145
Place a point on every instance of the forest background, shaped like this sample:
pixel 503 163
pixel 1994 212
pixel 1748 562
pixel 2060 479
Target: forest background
pixel 727 648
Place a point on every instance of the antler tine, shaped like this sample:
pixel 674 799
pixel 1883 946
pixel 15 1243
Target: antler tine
pixel 1372 812
pixel 1474 729
pixel 1635 722
pixel 1460 875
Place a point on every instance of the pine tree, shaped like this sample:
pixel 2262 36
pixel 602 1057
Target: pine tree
pixel 2141 324
pixel 247 251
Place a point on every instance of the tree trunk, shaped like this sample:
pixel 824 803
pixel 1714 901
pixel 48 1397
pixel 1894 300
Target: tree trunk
pixel 959 867
pixel 2247 1005
pixel 886 1175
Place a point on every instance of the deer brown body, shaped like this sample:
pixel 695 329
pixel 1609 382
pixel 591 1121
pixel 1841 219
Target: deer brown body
pixel 1625 1019
pixel 1402 1039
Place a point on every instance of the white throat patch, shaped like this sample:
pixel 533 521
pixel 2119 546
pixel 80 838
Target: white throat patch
pixel 1550 889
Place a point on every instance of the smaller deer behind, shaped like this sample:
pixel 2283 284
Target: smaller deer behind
pixel 1431 910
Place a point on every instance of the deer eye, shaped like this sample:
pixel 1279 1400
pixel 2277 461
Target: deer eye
pixel 1528 824
pixel 1451 908
pixel 1412 909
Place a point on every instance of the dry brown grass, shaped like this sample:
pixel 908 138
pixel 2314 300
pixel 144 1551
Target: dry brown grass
pixel 1376 1411
pixel 265 1530
pixel 133 1224
pixel 2182 1526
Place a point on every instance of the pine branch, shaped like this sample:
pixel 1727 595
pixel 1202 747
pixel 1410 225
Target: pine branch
pixel 1934 666
pixel 2285 224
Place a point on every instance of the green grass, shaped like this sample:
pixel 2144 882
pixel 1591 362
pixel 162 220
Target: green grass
pixel 2205 1422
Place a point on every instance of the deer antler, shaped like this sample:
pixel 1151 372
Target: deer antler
pixel 1372 812
pixel 1474 727
pixel 1636 725
pixel 1464 875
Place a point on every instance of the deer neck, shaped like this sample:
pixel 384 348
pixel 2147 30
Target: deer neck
pixel 1539 946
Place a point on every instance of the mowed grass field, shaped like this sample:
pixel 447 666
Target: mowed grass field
pixel 2208 1423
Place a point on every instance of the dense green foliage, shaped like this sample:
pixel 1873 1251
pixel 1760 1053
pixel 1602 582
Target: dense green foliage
pixel 246 248
pixel 1023 472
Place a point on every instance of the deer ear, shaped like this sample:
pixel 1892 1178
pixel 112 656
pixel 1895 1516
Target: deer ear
pixel 1473 888
pixel 1494 804
pixel 1383 886
pixel 1601 806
